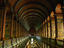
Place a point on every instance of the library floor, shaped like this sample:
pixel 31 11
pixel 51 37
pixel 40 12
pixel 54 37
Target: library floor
pixel 39 42
pixel 32 42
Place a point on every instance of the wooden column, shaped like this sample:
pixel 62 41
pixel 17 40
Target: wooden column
pixel 43 30
pixel 56 31
pixel 11 33
pixel 16 29
pixel 3 23
pixel 47 29
pixel 63 21
pixel 19 30
pixel 47 32
pixel 50 29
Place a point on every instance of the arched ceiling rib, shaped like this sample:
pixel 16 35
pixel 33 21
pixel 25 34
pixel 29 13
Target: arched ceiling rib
pixel 32 6
pixel 38 2
pixel 32 13
pixel 29 16
pixel 43 14
pixel 32 9
pixel 32 17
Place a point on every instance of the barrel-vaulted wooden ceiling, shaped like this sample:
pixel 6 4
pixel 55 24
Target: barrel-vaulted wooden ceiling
pixel 32 13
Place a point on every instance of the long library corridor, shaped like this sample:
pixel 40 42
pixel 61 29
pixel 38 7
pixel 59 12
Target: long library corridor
pixel 31 23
